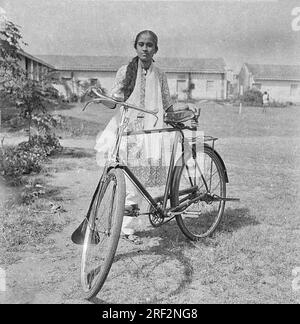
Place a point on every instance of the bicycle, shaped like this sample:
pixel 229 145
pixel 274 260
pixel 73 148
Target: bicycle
pixel 195 193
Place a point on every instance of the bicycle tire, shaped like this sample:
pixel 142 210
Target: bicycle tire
pixel 205 219
pixel 100 243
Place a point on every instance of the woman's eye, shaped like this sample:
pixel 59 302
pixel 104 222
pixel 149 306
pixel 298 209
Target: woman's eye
pixel 147 44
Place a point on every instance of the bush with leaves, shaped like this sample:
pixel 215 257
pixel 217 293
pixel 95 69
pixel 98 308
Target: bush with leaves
pixel 252 97
pixel 16 161
pixel 27 157
pixel 46 123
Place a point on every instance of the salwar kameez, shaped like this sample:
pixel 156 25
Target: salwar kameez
pixel 140 152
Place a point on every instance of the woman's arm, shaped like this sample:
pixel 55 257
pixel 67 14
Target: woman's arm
pixel 118 83
pixel 166 98
pixel 116 91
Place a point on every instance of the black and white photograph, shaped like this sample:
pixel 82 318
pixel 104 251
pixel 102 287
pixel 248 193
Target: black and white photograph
pixel 149 154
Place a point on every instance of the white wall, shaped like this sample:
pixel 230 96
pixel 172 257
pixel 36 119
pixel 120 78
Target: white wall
pixel 217 91
pixel 281 90
pixel 106 78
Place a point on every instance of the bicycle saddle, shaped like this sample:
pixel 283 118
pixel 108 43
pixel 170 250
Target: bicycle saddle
pixel 178 116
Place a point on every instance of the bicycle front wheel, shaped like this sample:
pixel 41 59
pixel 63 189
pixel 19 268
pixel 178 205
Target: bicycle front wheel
pixel 103 232
pixel 201 175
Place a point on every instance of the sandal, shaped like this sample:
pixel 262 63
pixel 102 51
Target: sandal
pixel 132 239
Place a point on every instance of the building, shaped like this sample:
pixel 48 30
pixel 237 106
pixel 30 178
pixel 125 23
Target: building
pixel 282 82
pixel 206 78
pixel 34 66
pixel 197 78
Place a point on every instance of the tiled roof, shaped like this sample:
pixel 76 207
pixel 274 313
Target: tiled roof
pixel 208 65
pixel 113 63
pixel 36 59
pixel 274 72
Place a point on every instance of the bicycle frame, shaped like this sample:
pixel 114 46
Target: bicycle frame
pixel 115 162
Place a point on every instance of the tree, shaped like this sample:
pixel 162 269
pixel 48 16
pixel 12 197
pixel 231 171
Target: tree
pixel 10 39
pixel 30 96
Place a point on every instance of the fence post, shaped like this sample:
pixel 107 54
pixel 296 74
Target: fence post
pixel 2 280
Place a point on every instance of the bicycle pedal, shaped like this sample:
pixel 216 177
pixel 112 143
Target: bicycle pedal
pixel 132 210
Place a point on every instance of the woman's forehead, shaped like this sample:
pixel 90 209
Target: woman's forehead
pixel 146 37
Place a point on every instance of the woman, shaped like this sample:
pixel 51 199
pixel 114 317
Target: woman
pixel 143 84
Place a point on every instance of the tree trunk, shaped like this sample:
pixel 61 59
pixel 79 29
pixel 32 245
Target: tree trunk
pixel 29 128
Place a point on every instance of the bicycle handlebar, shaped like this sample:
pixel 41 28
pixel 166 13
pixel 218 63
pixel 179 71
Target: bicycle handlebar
pixel 101 97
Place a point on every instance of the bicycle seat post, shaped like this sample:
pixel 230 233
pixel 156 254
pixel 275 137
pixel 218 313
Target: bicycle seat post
pixel 194 127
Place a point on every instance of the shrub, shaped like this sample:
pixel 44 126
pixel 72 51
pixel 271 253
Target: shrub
pixel 27 157
pixel 16 161
pixel 252 97
pixel 278 104
pixel 45 123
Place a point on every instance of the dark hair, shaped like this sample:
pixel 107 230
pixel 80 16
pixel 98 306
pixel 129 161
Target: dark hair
pixel 153 35
pixel 132 68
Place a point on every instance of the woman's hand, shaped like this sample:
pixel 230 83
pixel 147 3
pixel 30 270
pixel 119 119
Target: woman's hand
pixel 181 107
pixel 109 104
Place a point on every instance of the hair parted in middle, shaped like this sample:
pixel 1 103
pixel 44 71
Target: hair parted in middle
pixel 132 68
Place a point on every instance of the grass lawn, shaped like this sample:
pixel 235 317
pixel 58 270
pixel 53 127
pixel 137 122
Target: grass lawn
pixel 251 257
pixel 259 242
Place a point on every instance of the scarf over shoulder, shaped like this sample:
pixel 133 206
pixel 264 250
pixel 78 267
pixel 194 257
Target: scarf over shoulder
pixel 151 92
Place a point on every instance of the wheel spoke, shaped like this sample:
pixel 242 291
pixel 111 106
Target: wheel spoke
pixel 103 232
pixel 202 217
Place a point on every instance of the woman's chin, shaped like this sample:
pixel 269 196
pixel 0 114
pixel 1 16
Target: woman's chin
pixel 145 59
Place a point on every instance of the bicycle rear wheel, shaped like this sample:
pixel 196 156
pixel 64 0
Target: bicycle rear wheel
pixel 203 175
pixel 103 232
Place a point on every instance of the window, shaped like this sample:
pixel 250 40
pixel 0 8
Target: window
pixel 294 90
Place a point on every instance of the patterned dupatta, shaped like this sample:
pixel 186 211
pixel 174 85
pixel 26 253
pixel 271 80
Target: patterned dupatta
pixel 147 94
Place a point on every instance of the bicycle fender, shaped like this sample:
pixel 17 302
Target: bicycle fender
pixel 223 165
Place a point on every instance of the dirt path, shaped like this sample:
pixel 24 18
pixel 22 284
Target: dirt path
pixel 50 273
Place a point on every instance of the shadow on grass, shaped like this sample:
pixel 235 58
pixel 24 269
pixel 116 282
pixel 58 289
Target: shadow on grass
pixel 234 219
pixel 173 244
pixel 169 248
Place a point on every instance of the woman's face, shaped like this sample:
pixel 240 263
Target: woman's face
pixel 145 47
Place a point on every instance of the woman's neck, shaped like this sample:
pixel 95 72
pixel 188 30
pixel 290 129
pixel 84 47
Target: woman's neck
pixel 146 65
